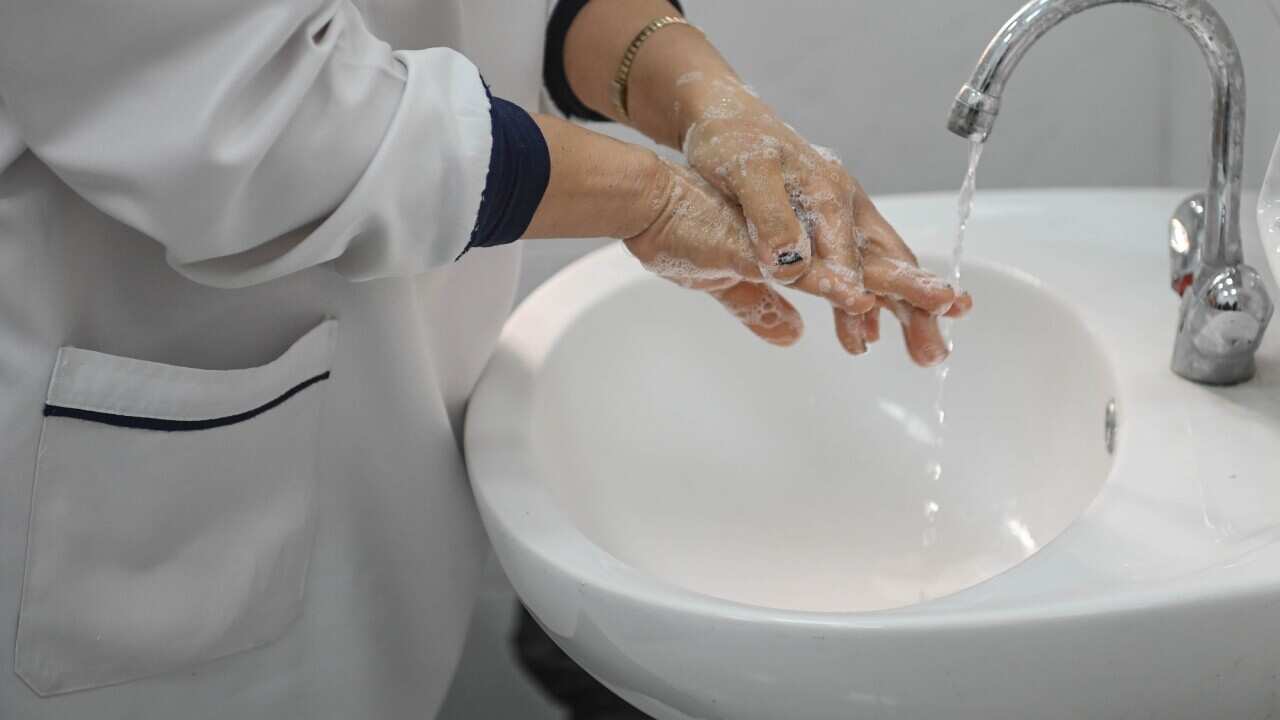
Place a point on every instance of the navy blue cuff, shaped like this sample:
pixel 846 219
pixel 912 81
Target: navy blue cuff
pixel 519 170
pixel 553 75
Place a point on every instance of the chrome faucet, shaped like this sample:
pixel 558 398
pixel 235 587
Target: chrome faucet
pixel 1225 308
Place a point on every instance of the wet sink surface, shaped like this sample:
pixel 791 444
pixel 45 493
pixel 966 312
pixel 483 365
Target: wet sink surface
pixel 806 479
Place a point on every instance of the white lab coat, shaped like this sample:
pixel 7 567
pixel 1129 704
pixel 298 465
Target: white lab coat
pixel 235 350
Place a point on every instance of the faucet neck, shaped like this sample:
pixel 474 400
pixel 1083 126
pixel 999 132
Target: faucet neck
pixel 979 101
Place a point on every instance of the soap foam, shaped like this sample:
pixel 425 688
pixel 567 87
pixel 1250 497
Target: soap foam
pixel 766 314
pixel 827 154
pixel 698 210
pixel 685 273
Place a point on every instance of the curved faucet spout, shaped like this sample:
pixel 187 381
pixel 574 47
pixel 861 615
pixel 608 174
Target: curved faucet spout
pixel 1225 309
pixel 978 102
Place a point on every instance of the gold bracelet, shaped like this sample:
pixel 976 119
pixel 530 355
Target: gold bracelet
pixel 618 89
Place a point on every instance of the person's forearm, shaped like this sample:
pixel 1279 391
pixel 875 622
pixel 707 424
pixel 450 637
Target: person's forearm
pixel 665 92
pixel 599 187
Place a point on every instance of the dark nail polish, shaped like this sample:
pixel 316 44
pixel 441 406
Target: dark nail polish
pixel 789 257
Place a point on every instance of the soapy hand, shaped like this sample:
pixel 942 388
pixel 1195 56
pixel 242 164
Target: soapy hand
pixel 810 224
pixel 698 239
pixel 673 221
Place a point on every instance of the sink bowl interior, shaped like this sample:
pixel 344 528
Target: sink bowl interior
pixel 806 479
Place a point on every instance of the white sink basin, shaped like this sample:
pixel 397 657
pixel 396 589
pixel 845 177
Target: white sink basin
pixel 1269 214
pixel 801 478
pixel 717 528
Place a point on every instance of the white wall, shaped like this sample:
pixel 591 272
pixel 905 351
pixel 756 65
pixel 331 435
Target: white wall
pixel 1115 96
pixel 1257 32
pixel 874 79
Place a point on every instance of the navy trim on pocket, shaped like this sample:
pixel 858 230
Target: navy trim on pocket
pixel 166 425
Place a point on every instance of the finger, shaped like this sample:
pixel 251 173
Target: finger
pixel 902 280
pixel 836 271
pixel 878 231
pixel 765 313
pixel 851 331
pixel 961 306
pixel 827 206
pixel 871 319
pixel 782 246
pixel 722 254
pixel 826 209
pixel 891 269
pixel 839 285
pixel 923 337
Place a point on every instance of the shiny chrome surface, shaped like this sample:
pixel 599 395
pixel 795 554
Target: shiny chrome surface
pixel 1186 238
pixel 1225 311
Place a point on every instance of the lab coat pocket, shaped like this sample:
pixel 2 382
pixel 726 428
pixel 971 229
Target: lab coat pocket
pixel 170 518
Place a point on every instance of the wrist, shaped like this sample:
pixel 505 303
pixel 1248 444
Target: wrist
pixel 700 95
pixel 670 83
pixel 599 186
pixel 722 97
pixel 652 193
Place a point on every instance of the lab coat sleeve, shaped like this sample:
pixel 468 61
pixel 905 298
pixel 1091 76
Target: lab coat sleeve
pixel 252 138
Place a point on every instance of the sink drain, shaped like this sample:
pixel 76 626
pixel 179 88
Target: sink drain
pixel 1109 427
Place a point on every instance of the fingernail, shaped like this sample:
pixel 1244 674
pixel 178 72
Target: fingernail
pixel 789 257
pixel 860 303
pixel 854 339
pixel 933 354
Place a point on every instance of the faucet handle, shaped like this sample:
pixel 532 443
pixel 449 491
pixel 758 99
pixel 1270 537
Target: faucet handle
pixel 1186 237
pixel 1223 317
